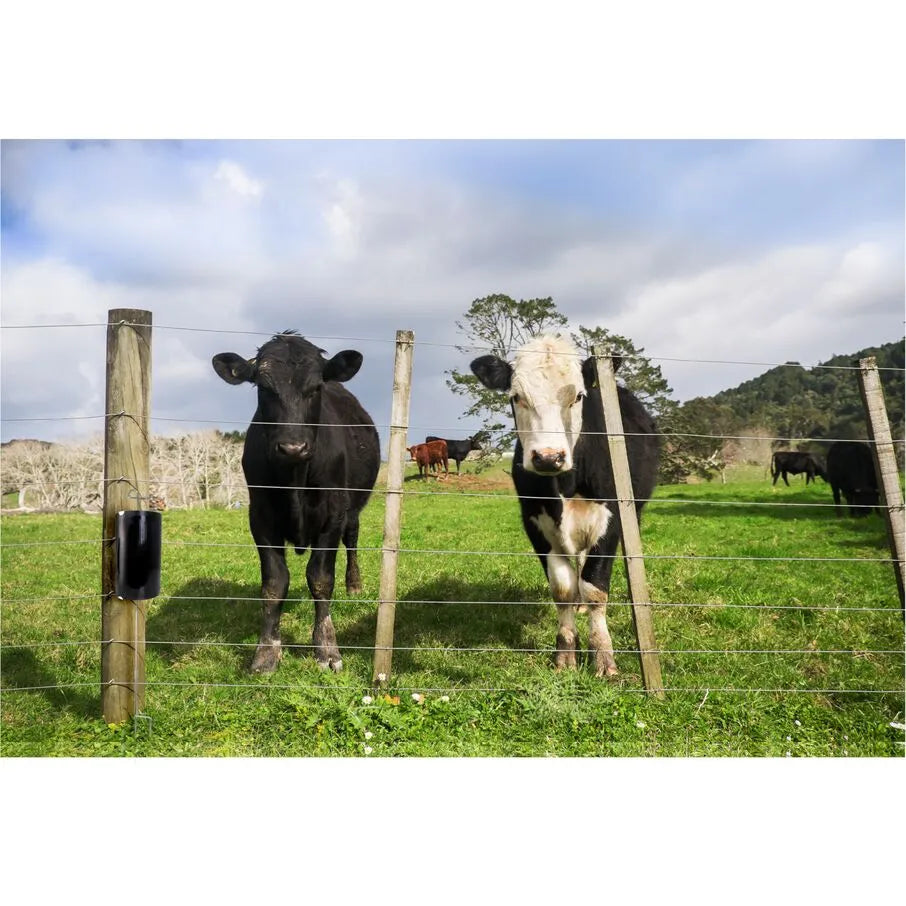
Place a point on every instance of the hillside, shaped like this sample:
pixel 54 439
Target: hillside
pixel 817 402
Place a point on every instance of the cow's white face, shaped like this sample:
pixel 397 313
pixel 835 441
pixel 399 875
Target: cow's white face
pixel 546 389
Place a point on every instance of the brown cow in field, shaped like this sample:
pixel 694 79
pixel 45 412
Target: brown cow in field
pixel 430 455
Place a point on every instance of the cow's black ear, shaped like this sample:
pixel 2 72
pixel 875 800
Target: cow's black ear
pixel 234 369
pixel 494 373
pixel 590 373
pixel 343 366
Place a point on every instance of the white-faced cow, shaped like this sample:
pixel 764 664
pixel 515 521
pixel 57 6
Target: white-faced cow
pixel 311 458
pixel 563 476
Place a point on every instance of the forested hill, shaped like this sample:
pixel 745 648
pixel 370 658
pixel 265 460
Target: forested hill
pixel 796 402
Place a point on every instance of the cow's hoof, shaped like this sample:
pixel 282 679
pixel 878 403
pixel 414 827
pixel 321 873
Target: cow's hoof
pixel 354 589
pixel 266 658
pixel 331 663
pixel 565 660
pixel 605 665
pixel 606 671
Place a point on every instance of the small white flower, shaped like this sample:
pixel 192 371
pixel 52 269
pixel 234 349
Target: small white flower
pixel 368 734
pixel 789 739
pixel 789 754
pixel 797 723
pixel 640 724
pixel 846 737
pixel 382 677
pixel 416 696
pixel 368 750
pixel 366 699
pixel 445 698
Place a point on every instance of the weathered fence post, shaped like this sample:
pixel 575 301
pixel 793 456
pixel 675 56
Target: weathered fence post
pixel 399 423
pixel 126 476
pixel 629 526
pixel 885 464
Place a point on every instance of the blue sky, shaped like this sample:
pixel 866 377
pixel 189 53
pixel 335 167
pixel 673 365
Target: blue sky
pixel 762 251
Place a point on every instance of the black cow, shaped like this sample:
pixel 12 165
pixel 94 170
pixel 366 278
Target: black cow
pixel 563 476
pixel 308 480
pixel 457 450
pixel 789 461
pixel 851 471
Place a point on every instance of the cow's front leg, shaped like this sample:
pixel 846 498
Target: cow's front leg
pixel 320 576
pixel 274 586
pixel 593 586
pixel 562 579
pixel 599 638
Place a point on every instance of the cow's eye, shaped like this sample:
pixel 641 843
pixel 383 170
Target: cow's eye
pixel 516 398
pixel 579 397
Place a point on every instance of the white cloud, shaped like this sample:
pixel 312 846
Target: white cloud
pixel 238 180
pixel 349 251
pixel 801 303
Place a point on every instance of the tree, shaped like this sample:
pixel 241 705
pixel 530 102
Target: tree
pixel 697 440
pixel 636 373
pixel 498 325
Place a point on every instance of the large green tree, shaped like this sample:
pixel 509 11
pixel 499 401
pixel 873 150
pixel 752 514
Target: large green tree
pixel 498 325
pixel 636 372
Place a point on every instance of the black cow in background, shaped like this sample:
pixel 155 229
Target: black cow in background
pixel 311 458
pixel 457 450
pixel 851 471
pixel 788 461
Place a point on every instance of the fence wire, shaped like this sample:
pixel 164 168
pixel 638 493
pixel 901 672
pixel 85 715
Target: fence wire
pixel 459 347
pixel 372 694
pixel 416 551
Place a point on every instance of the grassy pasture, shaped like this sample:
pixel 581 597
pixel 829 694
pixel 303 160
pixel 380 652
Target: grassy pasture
pixel 479 658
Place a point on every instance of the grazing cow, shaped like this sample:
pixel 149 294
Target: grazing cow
pixel 430 456
pixel 788 461
pixel 458 450
pixel 851 471
pixel 311 458
pixel 564 479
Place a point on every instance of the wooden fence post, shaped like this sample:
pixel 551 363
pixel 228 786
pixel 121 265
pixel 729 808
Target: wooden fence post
pixel 885 464
pixel 126 476
pixel 399 423
pixel 629 525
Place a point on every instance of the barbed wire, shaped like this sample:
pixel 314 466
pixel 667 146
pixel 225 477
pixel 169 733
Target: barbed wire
pixel 384 689
pixel 235 599
pixel 855 653
pixel 507 493
pixel 469 553
pixel 460 347
pixel 459 429
pixel 450 649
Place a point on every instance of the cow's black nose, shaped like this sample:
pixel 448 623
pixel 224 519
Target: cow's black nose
pixel 294 451
pixel 548 460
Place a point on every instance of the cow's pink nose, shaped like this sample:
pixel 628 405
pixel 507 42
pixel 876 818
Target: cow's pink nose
pixel 294 451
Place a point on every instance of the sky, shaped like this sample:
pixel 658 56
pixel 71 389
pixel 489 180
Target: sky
pixel 741 251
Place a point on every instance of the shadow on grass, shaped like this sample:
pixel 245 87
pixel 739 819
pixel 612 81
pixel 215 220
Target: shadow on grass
pixel 205 611
pixel 457 617
pixel 21 669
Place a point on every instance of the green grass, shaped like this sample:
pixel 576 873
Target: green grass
pixel 503 699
